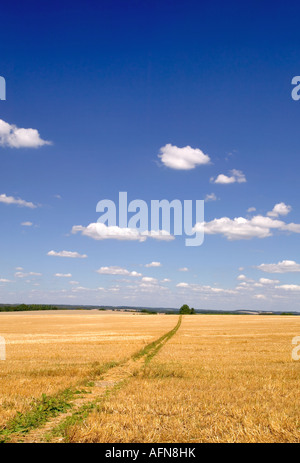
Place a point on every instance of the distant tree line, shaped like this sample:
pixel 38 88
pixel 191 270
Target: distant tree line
pixel 25 307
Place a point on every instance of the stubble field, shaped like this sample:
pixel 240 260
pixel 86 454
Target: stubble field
pixel 115 377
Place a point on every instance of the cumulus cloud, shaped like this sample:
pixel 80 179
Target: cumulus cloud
pixel 241 228
pixel 115 270
pixel 289 287
pixel 185 158
pixel 26 224
pixel 19 202
pixel 246 284
pixel 205 289
pixel 153 264
pixel 71 254
pixel 13 137
pixel 160 235
pixel 24 274
pixel 279 209
pixel 4 280
pixel 83 288
pixel 63 275
pixel 236 176
pixel 149 285
pixel 210 197
pixel 242 277
pixel 100 231
pixel 251 209
pixel 183 269
pixel 149 280
pixel 259 296
pixel 285 266
pixel 267 281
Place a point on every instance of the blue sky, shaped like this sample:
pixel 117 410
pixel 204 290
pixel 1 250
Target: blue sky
pixel 111 83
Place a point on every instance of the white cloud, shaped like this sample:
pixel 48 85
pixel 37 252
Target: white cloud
pixel 27 224
pixel 100 231
pixel 160 235
pixel 245 285
pixel 210 197
pixel 242 277
pixel 149 280
pixel 183 269
pixel 23 274
pixel 279 209
pixel 241 228
pixel 20 202
pixel 251 209
pixel 291 227
pixel 185 158
pixel 63 275
pixel 82 288
pixel 166 280
pixel 289 287
pixel 71 254
pixel 74 282
pixel 13 137
pixel 153 264
pixel 205 289
pixel 285 266
pixel 4 280
pixel 259 296
pixel 236 176
pixel 149 285
pixel 115 270
pixel 267 281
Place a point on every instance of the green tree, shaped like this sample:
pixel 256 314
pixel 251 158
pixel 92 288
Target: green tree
pixel 185 310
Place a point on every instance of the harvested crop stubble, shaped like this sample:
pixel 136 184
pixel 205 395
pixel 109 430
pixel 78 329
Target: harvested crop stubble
pixel 219 379
pixel 48 352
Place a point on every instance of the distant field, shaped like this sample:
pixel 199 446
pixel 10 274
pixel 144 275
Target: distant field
pixel 140 378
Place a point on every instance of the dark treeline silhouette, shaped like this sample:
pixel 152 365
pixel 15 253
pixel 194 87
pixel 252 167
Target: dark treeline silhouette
pixel 25 307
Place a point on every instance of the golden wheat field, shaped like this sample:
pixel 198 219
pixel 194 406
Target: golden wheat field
pixel 215 378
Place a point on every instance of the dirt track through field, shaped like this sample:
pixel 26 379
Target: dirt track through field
pixel 93 394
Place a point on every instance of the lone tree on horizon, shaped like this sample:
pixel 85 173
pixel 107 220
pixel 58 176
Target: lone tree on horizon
pixel 185 310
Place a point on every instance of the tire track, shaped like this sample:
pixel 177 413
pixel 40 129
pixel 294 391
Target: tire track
pixel 87 399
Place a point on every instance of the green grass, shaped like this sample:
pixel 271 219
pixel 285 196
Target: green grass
pixel 83 412
pixel 151 349
pixel 50 406
pixel 42 409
